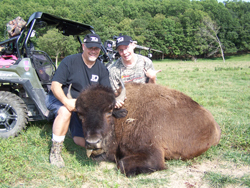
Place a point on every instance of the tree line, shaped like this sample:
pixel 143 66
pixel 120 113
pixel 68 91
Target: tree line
pixel 179 28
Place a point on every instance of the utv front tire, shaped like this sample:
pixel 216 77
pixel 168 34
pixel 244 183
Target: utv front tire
pixel 13 114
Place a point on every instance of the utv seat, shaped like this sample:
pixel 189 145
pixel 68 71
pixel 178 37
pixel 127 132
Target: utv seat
pixel 44 66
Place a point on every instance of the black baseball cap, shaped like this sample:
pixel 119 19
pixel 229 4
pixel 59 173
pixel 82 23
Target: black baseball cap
pixel 92 40
pixel 123 40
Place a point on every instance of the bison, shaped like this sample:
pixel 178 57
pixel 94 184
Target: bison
pixel 156 123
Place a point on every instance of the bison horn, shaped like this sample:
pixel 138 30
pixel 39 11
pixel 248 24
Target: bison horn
pixel 69 96
pixel 89 152
pixel 94 153
pixel 122 95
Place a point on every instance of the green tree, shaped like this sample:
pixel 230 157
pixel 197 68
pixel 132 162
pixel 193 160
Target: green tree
pixel 125 28
pixel 209 33
pixel 224 19
pixel 159 28
pixel 56 44
pixel 168 25
pixel 240 33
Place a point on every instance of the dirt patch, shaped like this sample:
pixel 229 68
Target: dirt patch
pixel 192 176
pixel 175 176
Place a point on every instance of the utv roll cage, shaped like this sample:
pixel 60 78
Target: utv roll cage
pixel 40 19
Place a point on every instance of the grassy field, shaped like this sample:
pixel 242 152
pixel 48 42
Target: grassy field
pixel 222 88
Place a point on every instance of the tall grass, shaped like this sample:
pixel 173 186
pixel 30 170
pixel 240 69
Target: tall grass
pixel 222 88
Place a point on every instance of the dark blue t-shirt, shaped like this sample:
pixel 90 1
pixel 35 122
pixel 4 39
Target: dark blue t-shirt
pixel 72 70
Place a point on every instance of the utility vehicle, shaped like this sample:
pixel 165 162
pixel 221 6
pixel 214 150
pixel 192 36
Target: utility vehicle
pixel 25 73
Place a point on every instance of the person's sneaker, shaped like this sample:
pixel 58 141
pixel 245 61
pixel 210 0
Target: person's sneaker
pixel 55 154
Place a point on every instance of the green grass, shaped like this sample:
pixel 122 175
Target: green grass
pixel 222 88
pixel 219 180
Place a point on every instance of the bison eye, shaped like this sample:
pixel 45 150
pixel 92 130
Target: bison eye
pixel 108 114
pixel 110 107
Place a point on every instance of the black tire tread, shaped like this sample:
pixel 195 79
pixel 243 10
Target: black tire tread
pixel 21 109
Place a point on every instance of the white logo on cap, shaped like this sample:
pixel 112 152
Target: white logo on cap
pixel 94 39
pixel 120 39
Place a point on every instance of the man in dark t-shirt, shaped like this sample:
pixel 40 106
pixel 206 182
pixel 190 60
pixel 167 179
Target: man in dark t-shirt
pixel 80 70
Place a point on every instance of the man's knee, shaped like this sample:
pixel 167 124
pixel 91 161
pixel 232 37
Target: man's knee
pixel 64 113
pixel 80 141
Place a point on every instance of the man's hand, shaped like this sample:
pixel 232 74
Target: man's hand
pixel 119 104
pixel 57 90
pixel 151 74
pixel 70 105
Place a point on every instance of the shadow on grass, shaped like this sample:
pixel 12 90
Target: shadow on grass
pixel 70 146
pixel 78 151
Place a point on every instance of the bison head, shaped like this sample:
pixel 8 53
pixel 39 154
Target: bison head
pixel 95 108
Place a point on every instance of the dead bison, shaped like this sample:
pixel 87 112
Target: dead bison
pixel 160 123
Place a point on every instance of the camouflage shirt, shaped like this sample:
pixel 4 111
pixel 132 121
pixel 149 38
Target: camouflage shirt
pixel 134 73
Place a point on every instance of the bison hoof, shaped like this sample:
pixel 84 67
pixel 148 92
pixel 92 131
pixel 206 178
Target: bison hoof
pixel 133 169
pixel 120 113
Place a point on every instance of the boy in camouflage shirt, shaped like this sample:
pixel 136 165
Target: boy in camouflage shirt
pixel 130 67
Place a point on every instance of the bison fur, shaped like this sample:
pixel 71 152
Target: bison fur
pixel 156 123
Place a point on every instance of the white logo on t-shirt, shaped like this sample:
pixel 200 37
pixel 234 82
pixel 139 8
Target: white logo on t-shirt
pixel 94 78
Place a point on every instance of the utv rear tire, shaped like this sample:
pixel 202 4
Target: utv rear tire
pixel 13 114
